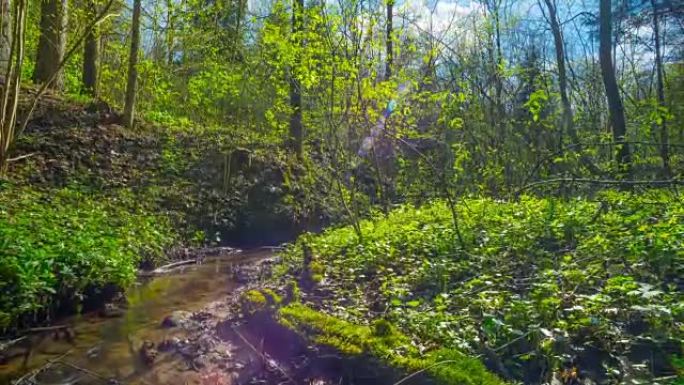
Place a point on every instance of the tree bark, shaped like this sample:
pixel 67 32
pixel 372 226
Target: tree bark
pixel 91 54
pixel 5 35
pixel 9 93
pixel 170 31
pixel 660 85
pixel 132 85
pixel 615 106
pixel 567 116
pixel 296 130
pixel 52 43
pixel 388 43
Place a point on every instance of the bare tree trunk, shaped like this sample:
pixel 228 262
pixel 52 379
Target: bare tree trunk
pixel 5 35
pixel 52 43
pixel 132 85
pixel 170 31
pixel 296 130
pixel 91 54
pixel 664 137
pixel 388 42
pixel 615 106
pixel 567 118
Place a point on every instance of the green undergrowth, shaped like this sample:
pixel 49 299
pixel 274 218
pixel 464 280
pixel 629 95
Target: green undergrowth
pixel 383 341
pixel 89 201
pixel 54 244
pixel 591 284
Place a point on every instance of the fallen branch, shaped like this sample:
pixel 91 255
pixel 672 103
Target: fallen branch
pixel 8 344
pixel 41 329
pixel 166 268
pixel 10 160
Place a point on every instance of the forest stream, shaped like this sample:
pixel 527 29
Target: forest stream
pixel 183 327
pixel 106 348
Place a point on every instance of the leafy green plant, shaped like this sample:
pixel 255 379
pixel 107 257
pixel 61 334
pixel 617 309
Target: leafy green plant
pixel 56 244
pixel 541 279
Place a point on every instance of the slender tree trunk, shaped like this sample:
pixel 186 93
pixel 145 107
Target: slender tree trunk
pixel 9 93
pixel 567 116
pixel 170 31
pixel 388 47
pixel 664 137
pixel 132 85
pixel 52 43
pixel 615 106
pixel 296 130
pixel 91 54
pixel 5 35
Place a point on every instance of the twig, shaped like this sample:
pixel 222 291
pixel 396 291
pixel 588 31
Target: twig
pixel 6 345
pixel 509 343
pixel 36 371
pixel 21 157
pixel 41 329
pixel 165 269
pixel 263 357
pixel 84 370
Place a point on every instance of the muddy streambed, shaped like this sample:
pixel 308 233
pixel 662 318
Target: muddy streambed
pixel 184 328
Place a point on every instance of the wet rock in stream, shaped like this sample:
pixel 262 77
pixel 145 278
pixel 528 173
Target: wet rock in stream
pixel 176 319
pixel 148 353
pixel 111 310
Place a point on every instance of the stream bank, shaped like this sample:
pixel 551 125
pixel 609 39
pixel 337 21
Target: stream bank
pixel 189 326
pixel 103 341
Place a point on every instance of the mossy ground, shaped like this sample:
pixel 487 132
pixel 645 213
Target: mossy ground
pixel 387 344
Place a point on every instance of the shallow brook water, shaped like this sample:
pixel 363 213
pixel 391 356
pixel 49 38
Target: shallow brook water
pixel 108 347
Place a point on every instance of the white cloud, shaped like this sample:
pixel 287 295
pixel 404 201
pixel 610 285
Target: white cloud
pixel 438 16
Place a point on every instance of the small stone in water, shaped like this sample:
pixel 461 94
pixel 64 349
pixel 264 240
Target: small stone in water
pixel 169 344
pixel 176 318
pixel 200 362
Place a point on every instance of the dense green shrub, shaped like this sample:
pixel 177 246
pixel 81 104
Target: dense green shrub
pixel 56 244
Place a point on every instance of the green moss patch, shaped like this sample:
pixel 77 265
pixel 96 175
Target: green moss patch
pixel 384 342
